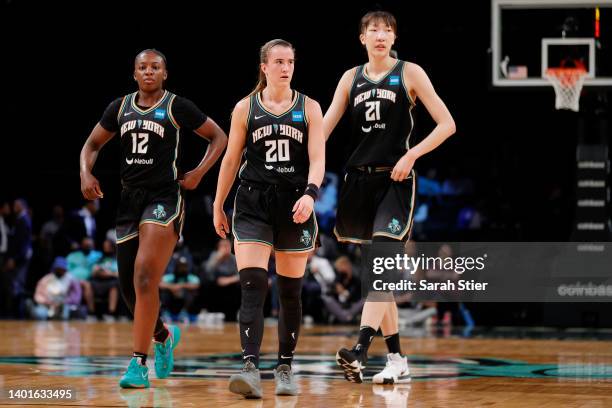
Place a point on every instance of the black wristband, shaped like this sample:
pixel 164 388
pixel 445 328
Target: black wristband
pixel 312 190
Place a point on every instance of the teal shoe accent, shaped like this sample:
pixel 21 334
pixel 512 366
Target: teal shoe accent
pixel 164 352
pixel 136 376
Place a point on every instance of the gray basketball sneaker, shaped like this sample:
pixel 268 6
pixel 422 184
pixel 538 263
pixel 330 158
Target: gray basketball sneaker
pixel 247 382
pixel 285 383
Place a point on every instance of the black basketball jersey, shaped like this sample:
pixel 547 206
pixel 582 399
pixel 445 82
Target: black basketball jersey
pixel 276 145
pixel 149 142
pixel 381 118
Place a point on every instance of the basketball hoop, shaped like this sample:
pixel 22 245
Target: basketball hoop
pixel 567 83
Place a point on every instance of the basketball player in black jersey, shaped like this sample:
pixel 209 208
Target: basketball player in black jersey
pixel 281 133
pixel 150 214
pixel 376 202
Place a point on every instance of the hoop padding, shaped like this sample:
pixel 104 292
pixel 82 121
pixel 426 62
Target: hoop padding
pixel 567 83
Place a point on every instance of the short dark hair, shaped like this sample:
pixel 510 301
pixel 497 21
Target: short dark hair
pixel 154 51
pixel 379 15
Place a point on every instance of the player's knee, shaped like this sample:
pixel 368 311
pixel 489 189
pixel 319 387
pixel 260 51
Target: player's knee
pixel 289 290
pixel 143 273
pixel 254 283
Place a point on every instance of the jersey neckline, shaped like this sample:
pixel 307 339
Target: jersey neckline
pixel 148 110
pixel 363 73
pixel 261 105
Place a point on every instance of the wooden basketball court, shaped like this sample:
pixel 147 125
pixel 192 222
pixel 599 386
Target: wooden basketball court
pixel 453 371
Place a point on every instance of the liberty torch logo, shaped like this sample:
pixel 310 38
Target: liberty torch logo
pixel 306 239
pixel 159 212
pixel 394 226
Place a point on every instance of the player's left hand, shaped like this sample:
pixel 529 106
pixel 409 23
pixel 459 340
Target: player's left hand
pixel 190 180
pixel 302 209
pixel 403 167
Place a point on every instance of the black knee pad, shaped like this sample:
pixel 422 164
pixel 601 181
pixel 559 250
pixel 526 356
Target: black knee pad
pixel 289 289
pixel 254 284
pixel 126 256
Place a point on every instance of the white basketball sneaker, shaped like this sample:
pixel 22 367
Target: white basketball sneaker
pixel 395 372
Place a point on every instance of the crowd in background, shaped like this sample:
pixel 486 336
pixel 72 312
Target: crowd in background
pixel 68 268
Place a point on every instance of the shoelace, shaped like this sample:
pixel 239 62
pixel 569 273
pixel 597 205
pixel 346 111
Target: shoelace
pixel 284 376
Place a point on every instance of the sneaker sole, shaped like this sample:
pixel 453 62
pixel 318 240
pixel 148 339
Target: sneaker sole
pixel 403 379
pixel 131 386
pixel 285 391
pixel 240 386
pixel 352 373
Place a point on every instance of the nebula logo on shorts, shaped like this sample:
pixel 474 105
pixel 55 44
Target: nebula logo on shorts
pixel 160 114
pixel 159 212
pixel 306 238
pixel 394 226
pixel 297 116
pixel 394 80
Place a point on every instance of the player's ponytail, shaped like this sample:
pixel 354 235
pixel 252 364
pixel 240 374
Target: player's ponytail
pixel 263 58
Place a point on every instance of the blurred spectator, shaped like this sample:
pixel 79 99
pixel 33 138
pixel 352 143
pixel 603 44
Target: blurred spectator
pixel 19 255
pixel 5 212
pixel 221 268
pixel 428 185
pixel 5 283
pixel 446 309
pixel 49 232
pixel 328 248
pixel 80 265
pixel 111 235
pixel 82 223
pixel 58 294
pixel 180 251
pixel 344 302
pixel 325 206
pixel 105 280
pixel 180 290
pixel 318 280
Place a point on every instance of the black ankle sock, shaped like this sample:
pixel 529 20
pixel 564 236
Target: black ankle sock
pixel 366 334
pixel 393 343
pixel 161 335
pixel 251 353
pixel 141 356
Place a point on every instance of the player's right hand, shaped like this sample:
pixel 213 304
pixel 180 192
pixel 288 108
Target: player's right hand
pixel 90 187
pixel 220 222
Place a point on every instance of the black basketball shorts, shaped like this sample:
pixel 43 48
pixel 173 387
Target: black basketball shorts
pixel 370 204
pixel 262 214
pixel 163 206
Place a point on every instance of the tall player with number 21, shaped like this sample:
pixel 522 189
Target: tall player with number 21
pixel 376 202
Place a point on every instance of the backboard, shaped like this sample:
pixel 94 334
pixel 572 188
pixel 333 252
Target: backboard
pixel 529 36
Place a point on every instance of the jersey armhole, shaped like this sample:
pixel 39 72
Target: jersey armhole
pixel 412 102
pixel 122 107
pixel 357 68
pixel 305 109
pixel 170 115
pixel 248 116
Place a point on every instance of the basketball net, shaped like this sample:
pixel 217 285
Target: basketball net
pixel 567 83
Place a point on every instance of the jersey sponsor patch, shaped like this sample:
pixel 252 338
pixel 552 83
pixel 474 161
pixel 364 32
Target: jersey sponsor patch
pixel 297 116
pixel 394 80
pixel 160 114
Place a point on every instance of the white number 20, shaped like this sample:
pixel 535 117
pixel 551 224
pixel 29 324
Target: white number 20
pixel 278 150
